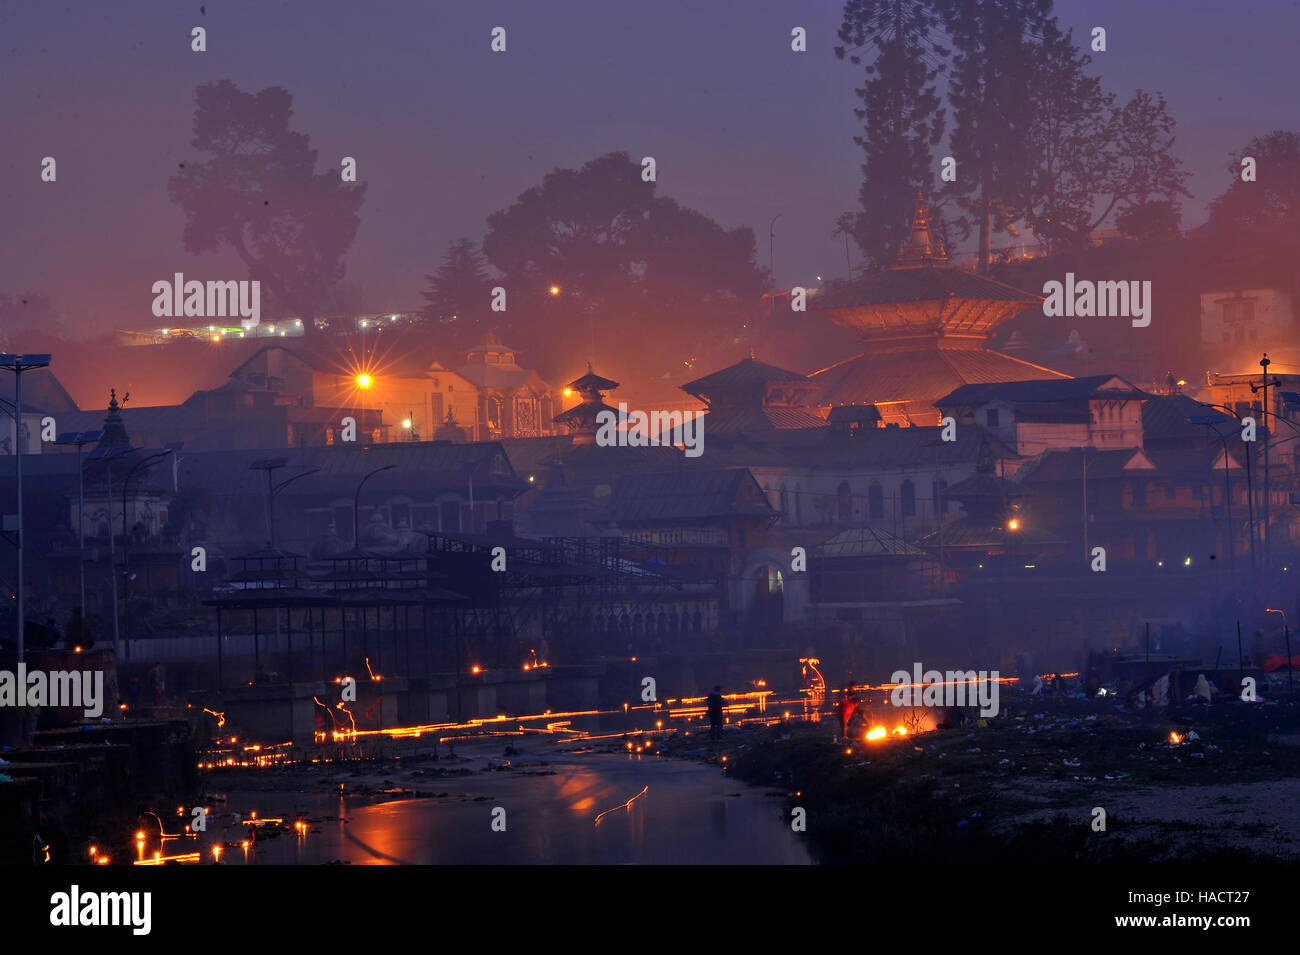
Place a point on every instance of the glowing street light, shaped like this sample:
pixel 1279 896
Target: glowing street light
pixel 364 380
pixel 18 364
pixel 1013 524
pixel 555 290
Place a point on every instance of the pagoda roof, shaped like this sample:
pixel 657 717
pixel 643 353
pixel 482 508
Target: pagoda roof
pixel 593 382
pixel 924 370
pixel 582 411
pixel 918 300
pixel 742 374
pixel 728 420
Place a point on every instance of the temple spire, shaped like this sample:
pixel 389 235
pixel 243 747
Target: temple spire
pixel 921 248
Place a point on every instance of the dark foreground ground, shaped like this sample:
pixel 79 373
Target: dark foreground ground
pixel 1025 787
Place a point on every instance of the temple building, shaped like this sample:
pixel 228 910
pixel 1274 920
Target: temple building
pixel 581 418
pixel 400 395
pixel 752 396
pixel 924 327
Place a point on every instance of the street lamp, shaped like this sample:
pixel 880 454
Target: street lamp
pixel 270 465
pixel 80 439
pixel 19 364
pixel 1210 421
pixel 1250 483
pixel 364 383
pixel 356 503
pixel 1265 384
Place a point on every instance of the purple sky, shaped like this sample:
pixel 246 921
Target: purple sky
pixel 446 132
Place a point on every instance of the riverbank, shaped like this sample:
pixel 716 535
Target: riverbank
pixel 1026 787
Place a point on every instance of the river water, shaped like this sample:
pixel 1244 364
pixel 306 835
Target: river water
pixel 680 813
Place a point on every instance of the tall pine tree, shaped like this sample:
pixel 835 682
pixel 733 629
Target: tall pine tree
pixel 901 114
pixel 457 301
pixel 994 43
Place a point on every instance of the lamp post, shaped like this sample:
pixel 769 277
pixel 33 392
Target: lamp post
pixel 771 260
pixel 364 381
pixel 1250 481
pixel 125 539
pixel 1264 385
pixel 270 465
pixel 19 364
pixel 1085 451
pixel 356 503
pixel 1209 421
pixel 80 439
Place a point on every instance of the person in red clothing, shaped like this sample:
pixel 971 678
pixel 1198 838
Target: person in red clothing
pixel 847 704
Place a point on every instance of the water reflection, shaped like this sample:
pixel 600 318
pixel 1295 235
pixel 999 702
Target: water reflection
pixel 686 815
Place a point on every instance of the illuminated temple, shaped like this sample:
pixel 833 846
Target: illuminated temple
pixel 924 327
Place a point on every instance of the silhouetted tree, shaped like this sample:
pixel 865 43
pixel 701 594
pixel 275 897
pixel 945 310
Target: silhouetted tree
pixel 989 92
pixel 592 258
pixel 1091 157
pixel 1149 221
pixel 901 114
pixel 456 302
pixel 1265 212
pixel 259 195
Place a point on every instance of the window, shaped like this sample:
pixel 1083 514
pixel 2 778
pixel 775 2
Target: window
pixel 991 416
pixel 876 502
pixel 1239 313
pixel 1171 492
pixel 908 492
pixel 845 500
pixel 1139 493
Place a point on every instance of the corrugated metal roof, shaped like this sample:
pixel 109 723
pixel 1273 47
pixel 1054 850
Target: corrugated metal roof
pixel 1165 417
pixel 732 420
pixel 687 495
pixel 868 542
pixel 1042 389
pixel 1068 466
pixel 869 448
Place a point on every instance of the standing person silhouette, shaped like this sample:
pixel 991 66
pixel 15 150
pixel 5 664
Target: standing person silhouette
pixel 714 702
